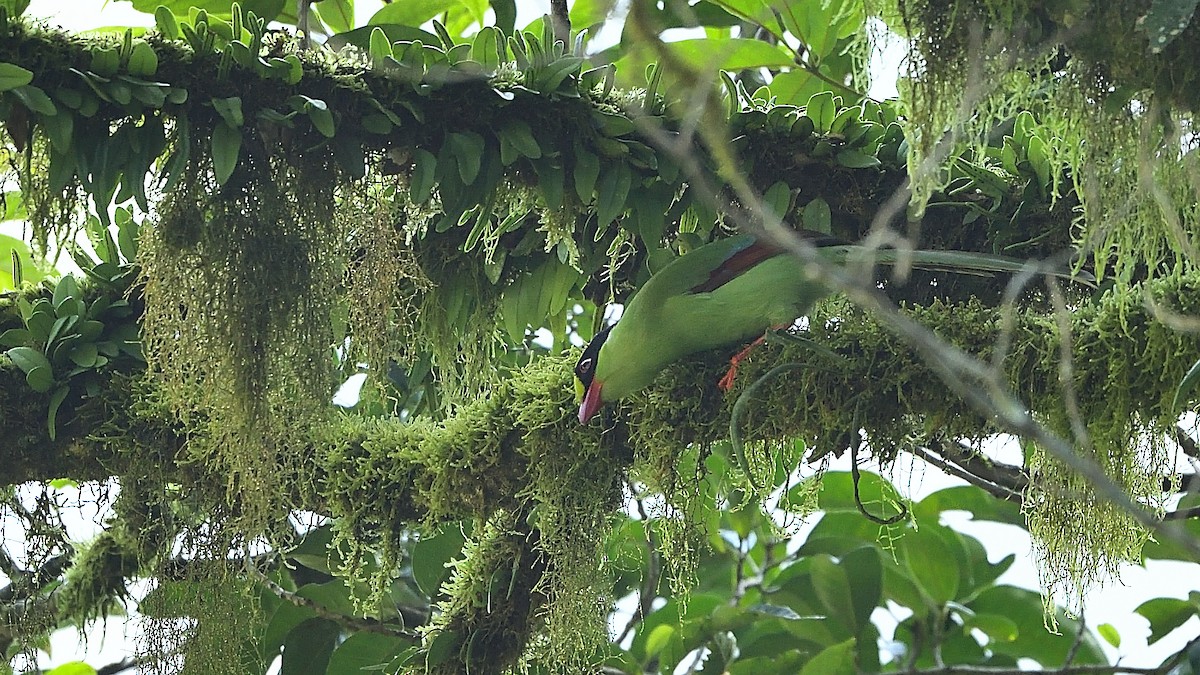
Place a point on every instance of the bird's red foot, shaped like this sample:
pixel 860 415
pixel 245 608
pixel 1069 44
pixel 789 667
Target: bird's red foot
pixel 726 382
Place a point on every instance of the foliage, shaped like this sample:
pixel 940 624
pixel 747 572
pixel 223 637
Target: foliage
pixel 430 196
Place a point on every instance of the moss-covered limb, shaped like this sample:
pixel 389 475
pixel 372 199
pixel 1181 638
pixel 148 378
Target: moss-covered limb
pixel 478 456
pixel 1118 344
pixel 572 127
pixel 1126 367
pixel 491 609
pixel 500 453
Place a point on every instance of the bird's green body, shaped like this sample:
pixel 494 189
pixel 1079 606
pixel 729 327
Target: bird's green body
pixel 666 320
pixel 725 292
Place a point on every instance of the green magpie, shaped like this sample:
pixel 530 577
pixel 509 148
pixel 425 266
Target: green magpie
pixel 722 293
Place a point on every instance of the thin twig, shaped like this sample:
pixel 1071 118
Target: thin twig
pixel 1079 635
pixel 1186 443
pixel 648 591
pixel 991 488
pixel 1182 514
pixel 352 622
pixel 1005 475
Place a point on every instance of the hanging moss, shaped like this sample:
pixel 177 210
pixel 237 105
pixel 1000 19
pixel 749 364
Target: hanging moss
pixel 239 286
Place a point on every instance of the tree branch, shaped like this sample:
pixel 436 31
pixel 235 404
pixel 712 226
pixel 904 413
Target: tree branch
pixel 352 622
pixel 992 488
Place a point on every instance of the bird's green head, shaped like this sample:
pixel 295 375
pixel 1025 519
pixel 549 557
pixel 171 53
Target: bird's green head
pixel 587 386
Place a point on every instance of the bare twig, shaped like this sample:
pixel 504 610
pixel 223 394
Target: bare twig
pixel 650 584
pixel 1186 443
pixel 1182 514
pixel 1005 475
pixel 994 489
pixel 1079 635
pixel 127 663
pixel 352 622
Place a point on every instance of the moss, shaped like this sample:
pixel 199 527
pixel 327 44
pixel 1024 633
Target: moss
pixel 95 583
pixel 490 610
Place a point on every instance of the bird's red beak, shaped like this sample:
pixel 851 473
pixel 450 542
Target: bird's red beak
pixel 591 402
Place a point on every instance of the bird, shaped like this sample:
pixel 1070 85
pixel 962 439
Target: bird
pixel 727 292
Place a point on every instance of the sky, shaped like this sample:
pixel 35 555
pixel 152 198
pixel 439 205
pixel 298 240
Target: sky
pixel 1112 604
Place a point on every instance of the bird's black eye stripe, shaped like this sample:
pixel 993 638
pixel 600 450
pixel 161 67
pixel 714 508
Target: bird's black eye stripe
pixel 585 368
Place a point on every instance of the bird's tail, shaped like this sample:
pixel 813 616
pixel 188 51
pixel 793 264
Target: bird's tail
pixel 960 262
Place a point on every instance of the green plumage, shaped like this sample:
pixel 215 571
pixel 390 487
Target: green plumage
pixel 723 293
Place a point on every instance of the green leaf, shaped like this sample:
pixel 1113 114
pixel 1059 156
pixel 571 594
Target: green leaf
pixel 1024 608
pixel 709 54
pixel 317 111
pixel 420 185
pixel 13 76
pixel 15 8
pixel 998 628
pixel 660 638
pixel 812 22
pixel 835 660
pixel 308 647
pixel 56 400
pixel 361 651
pixel 380 47
pixel 778 198
pixel 15 337
pixel 1186 386
pixel 856 159
pixel 932 562
pixel 612 192
pixel 795 87
pixel 430 556
pixel 230 110
pixel 550 181
pixel 28 359
pixel 1165 21
pixel 822 109
pixel 337 14
pixel 776 611
pixel 165 22
pixel 1165 615
pixel 332 595
pixel 286 617
pixel 411 12
pixel 226 146
pixel 40 379
pixel 518 134
pixel 1110 634
pixel 832 586
pixel 864 569
pixel 35 99
pixel 981 505
pixel 468 153
pixel 143 60
pixel 85 355
pixel 588 13
pixel 1039 157
pixel 587 170
pixel 442 647
pixel 817 216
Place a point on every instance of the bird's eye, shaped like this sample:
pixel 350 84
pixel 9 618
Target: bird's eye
pixel 585 365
